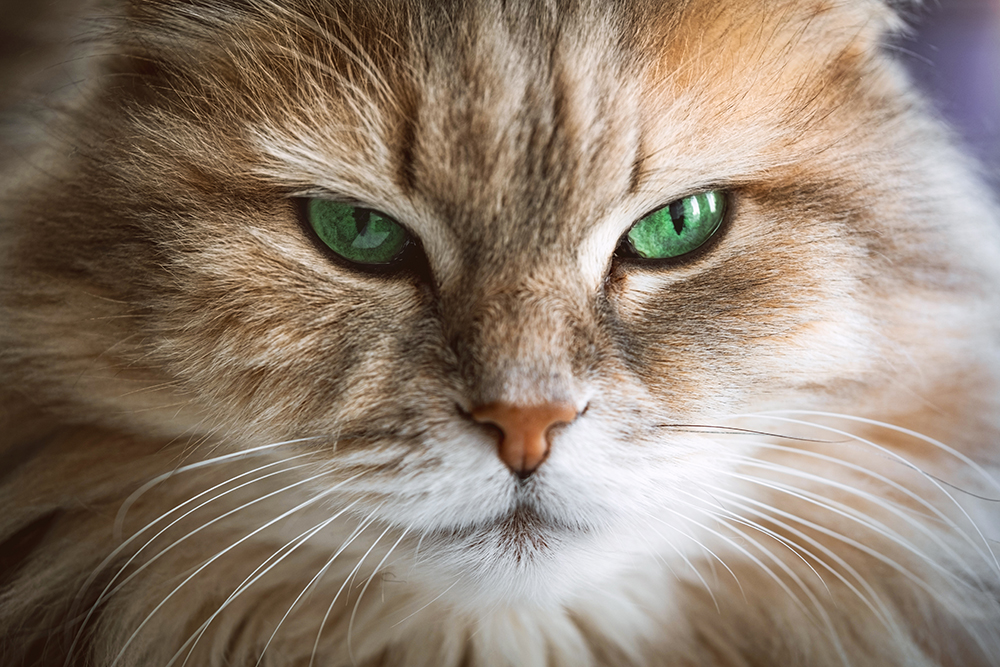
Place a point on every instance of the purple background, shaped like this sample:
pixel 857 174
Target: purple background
pixel 955 57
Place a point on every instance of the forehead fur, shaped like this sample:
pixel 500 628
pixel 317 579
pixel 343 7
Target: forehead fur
pixel 509 113
pixel 507 74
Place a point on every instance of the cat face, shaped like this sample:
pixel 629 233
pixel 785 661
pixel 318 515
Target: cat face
pixel 517 159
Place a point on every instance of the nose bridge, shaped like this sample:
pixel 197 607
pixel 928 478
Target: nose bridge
pixel 517 352
pixel 517 345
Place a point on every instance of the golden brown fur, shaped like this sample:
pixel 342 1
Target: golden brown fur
pixel 220 445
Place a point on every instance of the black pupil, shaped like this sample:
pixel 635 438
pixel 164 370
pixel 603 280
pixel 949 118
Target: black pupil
pixel 677 216
pixel 362 216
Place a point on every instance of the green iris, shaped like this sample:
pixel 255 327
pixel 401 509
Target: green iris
pixel 357 234
pixel 679 227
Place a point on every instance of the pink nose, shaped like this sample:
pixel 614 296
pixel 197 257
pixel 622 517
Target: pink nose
pixel 524 442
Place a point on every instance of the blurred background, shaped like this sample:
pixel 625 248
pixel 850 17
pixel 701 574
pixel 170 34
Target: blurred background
pixel 954 55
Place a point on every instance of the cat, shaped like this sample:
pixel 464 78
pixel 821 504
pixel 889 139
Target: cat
pixel 496 332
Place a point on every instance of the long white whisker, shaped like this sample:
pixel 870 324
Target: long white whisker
pixel 211 560
pixel 744 503
pixel 853 542
pixel 433 600
pixel 269 564
pixel 903 460
pixel 108 591
pixel 329 610
pixel 944 518
pixel 824 616
pixel 262 569
pixel 864 519
pixel 845 511
pixel 114 554
pixel 416 551
pixel 669 543
pixel 357 603
pixel 890 427
pixel 797 550
pixel 319 575
pixel 106 594
pixel 703 546
pixel 663 561
pixel 246 453
pixel 756 561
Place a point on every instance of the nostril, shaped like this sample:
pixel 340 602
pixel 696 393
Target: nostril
pixel 525 431
pixel 494 429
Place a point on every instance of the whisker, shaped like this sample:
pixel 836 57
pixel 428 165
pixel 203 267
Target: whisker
pixel 933 509
pixel 749 555
pixel 416 551
pixel 269 564
pixel 163 516
pixel 246 453
pixel 211 560
pixel 991 479
pixel 901 459
pixel 756 561
pixel 432 601
pixel 655 555
pixel 794 548
pixel 857 544
pixel 319 575
pixel 882 613
pixel 878 501
pixel 357 603
pixel 329 610
pixel 107 592
pixel 824 619
pixel 733 430
pixel 705 548
pixel 697 572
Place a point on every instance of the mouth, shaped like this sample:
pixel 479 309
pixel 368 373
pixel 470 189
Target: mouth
pixel 520 531
pixel 521 555
pixel 523 528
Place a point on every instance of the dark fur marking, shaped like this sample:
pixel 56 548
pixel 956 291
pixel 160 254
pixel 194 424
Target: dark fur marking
pixel 16 549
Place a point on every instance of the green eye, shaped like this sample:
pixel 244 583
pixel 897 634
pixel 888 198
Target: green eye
pixel 678 228
pixel 357 234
